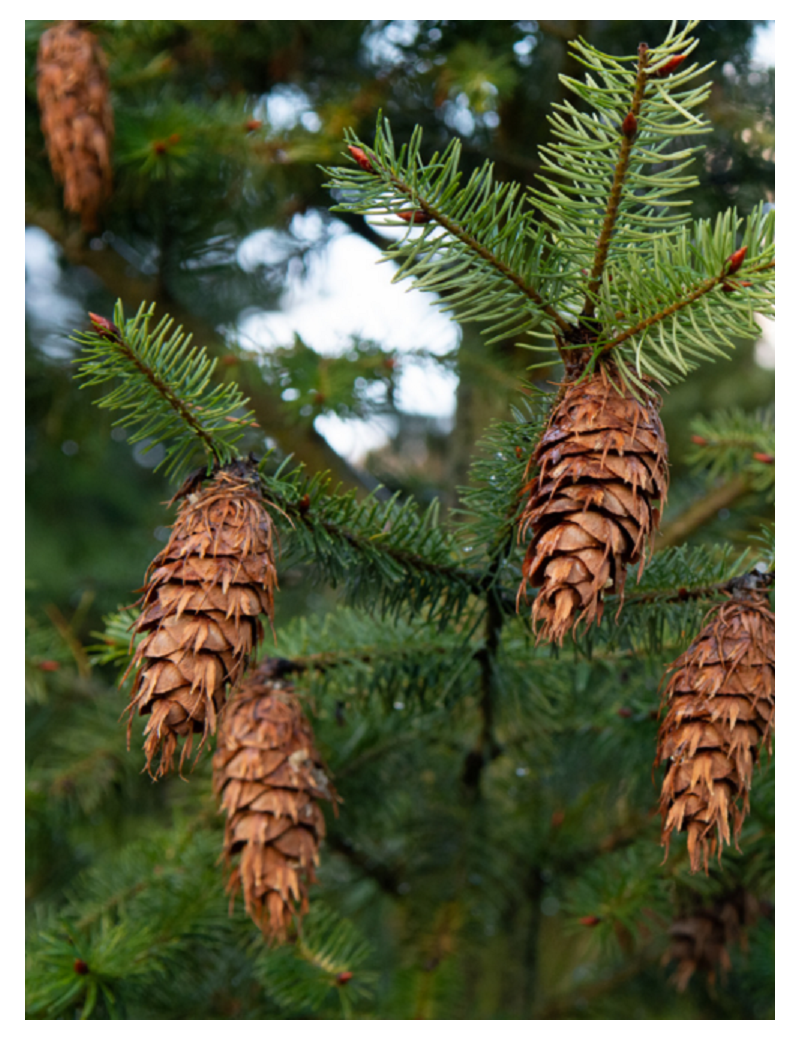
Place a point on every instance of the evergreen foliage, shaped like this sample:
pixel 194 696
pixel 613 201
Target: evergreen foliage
pixel 496 852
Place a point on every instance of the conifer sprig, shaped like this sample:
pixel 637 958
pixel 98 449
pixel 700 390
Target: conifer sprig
pixel 476 244
pixel 733 442
pixel 615 263
pixel 164 388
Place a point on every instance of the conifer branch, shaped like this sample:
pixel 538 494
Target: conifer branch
pixel 460 232
pixel 628 130
pixel 164 389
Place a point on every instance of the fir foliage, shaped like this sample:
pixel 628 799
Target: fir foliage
pixel 163 389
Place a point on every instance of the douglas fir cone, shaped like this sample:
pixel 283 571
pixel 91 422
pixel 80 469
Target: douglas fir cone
pixel 200 610
pixel 595 503
pixel 270 778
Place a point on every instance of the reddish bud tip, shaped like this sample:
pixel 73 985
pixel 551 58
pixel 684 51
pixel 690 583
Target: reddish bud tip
pixel 343 978
pixel 49 666
pixel 590 921
pixel 760 456
pixel 624 713
pixel 735 261
pixel 390 363
pixel 629 125
pixel 318 398
pixel 670 66
pixel 228 360
pixel 360 157
pixel 159 147
pixel 697 439
pixel 557 818
pixel 518 452
pixel 683 594
pixel 105 328
pixel 304 505
pixel 414 216
pixel 173 138
pixel 253 124
pixel 80 967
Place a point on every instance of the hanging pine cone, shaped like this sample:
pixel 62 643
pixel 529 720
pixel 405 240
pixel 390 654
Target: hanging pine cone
pixel 595 504
pixel 701 940
pixel 77 117
pixel 200 610
pixel 720 704
pixel 269 778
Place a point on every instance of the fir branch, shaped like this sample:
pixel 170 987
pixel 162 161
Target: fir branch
pixel 484 264
pixel 628 130
pixel 731 443
pixel 164 388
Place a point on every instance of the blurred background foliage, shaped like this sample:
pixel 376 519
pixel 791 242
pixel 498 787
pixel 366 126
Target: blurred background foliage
pixel 220 216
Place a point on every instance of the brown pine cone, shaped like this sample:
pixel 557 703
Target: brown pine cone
pixel 200 610
pixel 720 704
pixel 595 504
pixel 701 940
pixel 270 778
pixel 77 117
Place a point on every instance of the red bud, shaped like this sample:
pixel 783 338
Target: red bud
pixel 733 286
pixel 518 452
pixel 629 125
pixel 735 261
pixel 343 978
pixel 590 921
pixel 557 819
pixel 105 328
pixel 303 505
pixel 174 138
pixel 360 157
pixel 49 666
pixel 414 216
pixel 624 713
pixel 759 456
pixel 159 147
pixel 318 398
pixel 253 124
pixel 670 66
pixel 697 439
pixel 80 967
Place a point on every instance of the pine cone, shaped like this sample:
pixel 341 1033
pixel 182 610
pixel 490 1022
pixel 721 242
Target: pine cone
pixel 721 709
pixel 595 503
pixel 77 117
pixel 269 778
pixel 200 610
pixel 701 940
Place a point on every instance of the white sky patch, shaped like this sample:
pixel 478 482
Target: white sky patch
pixel 347 293
pixel 763 50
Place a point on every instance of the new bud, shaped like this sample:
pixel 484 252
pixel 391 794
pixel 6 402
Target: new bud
pixel 590 921
pixel 759 456
pixel 735 261
pixel 629 125
pixel 105 328
pixel 360 157
pixel 669 67
pixel 414 216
